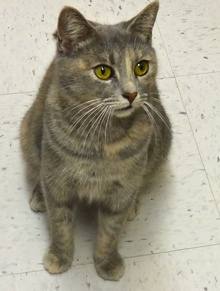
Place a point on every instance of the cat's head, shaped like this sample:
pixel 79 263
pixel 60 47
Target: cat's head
pixel 112 65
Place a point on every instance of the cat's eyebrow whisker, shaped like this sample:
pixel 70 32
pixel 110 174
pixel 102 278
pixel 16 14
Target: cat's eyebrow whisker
pixel 158 114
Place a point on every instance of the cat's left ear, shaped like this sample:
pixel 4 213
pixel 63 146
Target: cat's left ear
pixel 143 23
pixel 73 30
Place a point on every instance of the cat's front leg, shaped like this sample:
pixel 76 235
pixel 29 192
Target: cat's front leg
pixel 60 208
pixel 108 262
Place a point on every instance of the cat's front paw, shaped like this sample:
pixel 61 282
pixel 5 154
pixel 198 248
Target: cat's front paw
pixel 134 211
pixel 37 205
pixel 112 268
pixel 55 265
pixel 37 202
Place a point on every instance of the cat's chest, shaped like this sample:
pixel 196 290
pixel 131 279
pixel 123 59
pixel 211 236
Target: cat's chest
pixel 97 171
pixel 96 180
pixel 114 161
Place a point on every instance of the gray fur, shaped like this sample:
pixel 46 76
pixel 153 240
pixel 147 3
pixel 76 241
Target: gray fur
pixel 80 145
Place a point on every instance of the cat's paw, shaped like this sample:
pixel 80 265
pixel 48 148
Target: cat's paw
pixel 37 202
pixel 134 211
pixel 112 268
pixel 37 205
pixel 55 265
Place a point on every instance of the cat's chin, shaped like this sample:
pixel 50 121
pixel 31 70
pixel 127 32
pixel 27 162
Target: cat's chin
pixel 124 112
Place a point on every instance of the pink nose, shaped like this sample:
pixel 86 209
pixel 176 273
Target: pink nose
pixel 130 96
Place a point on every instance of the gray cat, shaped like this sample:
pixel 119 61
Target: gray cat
pixel 95 132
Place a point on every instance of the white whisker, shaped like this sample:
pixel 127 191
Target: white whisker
pixel 158 114
pixel 98 121
pixel 88 103
pixel 103 119
pixel 153 122
pixel 97 118
pixel 107 122
pixel 90 112
pixel 87 135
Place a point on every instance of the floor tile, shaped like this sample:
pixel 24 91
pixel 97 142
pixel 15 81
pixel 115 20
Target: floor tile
pixel 196 269
pixel 190 30
pixel 201 99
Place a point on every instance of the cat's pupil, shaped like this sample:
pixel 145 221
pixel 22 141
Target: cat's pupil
pixel 141 66
pixel 103 70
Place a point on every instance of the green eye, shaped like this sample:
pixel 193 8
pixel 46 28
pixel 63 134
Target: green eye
pixel 141 68
pixel 103 72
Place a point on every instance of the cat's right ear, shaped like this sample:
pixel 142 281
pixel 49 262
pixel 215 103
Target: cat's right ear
pixel 73 30
pixel 143 23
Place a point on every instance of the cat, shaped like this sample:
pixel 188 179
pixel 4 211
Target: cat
pixel 95 132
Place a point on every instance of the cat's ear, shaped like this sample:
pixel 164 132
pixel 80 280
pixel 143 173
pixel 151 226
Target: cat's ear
pixel 143 23
pixel 73 30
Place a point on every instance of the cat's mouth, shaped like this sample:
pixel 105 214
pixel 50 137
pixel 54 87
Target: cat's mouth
pixel 126 108
pixel 125 111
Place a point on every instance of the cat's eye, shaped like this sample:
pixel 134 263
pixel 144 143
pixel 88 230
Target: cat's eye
pixel 103 72
pixel 141 68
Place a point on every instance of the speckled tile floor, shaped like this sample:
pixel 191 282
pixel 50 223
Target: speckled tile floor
pixel 174 243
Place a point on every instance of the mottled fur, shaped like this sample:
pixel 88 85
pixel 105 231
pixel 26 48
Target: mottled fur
pixel 81 145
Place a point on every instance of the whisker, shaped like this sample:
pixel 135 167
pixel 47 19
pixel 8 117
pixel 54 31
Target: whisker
pixel 107 123
pixel 87 135
pixel 159 95
pixel 87 103
pixel 153 122
pixel 158 114
pixel 153 93
pixel 98 115
pixel 90 112
pixel 96 108
pixel 98 121
pixel 103 119
pixel 156 99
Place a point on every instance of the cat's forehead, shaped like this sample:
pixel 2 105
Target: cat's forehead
pixel 116 43
pixel 116 35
